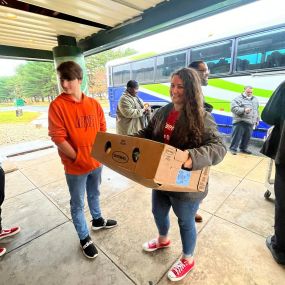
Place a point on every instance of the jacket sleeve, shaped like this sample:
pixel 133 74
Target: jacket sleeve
pixel 102 119
pixel 128 110
pixel 274 108
pixel 213 149
pixel 236 108
pixel 147 132
pixel 56 128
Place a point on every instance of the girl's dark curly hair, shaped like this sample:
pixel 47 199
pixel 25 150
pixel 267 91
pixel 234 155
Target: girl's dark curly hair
pixel 193 110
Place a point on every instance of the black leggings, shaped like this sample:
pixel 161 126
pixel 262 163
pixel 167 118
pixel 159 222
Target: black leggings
pixel 279 188
pixel 2 192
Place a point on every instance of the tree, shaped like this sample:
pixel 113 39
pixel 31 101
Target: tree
pixel 37 80
pixel 97 71
pixel 9 88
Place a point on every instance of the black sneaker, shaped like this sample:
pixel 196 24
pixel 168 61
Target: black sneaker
pixel 278 256
pixel 245 151
pixel 88 247
pixel 103 224
pixel 233 151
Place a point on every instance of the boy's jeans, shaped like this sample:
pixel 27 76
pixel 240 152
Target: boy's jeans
pixel 77 185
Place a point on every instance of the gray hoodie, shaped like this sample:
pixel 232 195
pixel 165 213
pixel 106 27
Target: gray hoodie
pixel 238 106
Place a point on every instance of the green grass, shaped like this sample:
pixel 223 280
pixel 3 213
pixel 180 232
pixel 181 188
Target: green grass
pixel 10 117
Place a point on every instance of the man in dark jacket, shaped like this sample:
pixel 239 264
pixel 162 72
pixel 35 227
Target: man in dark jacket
pixel 274 147
pixel 202 68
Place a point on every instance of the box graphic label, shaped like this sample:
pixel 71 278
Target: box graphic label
pixel 183 177
pixel 120 157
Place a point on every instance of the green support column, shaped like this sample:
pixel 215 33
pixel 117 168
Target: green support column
pixel 67 50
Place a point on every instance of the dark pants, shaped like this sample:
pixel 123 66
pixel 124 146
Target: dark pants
pixel 2 192
pixel 241 135
pixel 278 240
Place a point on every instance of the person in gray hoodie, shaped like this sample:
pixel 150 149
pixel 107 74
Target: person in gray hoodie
pixel 245 118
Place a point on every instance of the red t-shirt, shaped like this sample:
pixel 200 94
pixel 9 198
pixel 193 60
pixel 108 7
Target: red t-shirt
pixel 170 124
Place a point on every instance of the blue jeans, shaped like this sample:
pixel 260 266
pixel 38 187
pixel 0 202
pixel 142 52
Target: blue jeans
pixel 185 211
pixel 77 185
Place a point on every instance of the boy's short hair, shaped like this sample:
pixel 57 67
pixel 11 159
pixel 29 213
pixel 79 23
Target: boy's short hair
pixel 132 84
pixel 70 70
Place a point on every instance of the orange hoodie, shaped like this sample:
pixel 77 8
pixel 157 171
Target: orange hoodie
pixel 77 123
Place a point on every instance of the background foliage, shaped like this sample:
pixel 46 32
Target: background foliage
pixel 36 81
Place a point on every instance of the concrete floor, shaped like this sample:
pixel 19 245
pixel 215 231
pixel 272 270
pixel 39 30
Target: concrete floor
pixel 231 240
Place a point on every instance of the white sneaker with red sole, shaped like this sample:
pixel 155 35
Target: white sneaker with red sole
pixel 2 251
pixel 154 245
pixel 180 269
pixel 9 232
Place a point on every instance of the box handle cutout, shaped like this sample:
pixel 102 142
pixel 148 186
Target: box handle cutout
pixel 136 154
pixel 108 147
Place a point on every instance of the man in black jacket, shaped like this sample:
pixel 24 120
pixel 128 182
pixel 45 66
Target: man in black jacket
pixel 274 147
pixel 202 68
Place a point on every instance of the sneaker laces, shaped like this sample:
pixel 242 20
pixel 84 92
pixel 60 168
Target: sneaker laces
pixel 153 242
pixel 87 244
pixel 104 222
pixel 178 267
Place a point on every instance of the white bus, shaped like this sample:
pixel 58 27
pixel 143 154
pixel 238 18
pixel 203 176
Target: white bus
pixel 255 58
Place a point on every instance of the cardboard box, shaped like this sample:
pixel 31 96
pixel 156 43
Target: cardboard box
pixel 152 164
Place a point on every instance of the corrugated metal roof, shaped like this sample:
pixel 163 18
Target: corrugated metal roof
pixel 27 29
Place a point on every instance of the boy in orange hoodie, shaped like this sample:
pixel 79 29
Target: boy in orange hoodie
pixel 74 120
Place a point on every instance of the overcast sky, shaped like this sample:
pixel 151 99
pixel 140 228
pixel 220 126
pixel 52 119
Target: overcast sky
pixel 8 66
pixel 253 16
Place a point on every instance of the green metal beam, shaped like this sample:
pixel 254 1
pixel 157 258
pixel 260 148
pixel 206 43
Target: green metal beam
pixel 164 16
pixel 25 53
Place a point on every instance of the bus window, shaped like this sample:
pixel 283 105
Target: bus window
pixel 121 74
pixel 168 63
pixel 264 50
pixel 143 71
pixel 217 56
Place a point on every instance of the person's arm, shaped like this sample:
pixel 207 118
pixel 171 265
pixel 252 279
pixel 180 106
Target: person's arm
pixel 258 115
pixel 102 119
pixel 211 152
pixel 67 149
pixel 57 131
pixel 127 109
pixel 273 110
pixel 237 109
pixel 148 130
